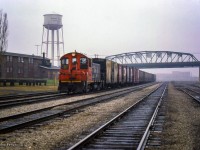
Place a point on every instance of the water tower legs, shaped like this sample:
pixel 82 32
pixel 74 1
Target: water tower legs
pixel 47 43
pixel 63 41
pixel 52 47
pixel 54 39
pixel 58 48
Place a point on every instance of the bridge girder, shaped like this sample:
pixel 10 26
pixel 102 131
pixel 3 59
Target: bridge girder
pixel 156 59
pixel 165 65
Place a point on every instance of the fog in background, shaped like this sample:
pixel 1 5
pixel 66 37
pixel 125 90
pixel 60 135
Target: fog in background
pixel 108 27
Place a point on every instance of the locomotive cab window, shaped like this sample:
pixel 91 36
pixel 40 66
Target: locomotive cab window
pixel 74 61
pixel 83 63
pixel 65 63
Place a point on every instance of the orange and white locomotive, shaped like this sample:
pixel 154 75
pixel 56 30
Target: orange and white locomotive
pixel 78 74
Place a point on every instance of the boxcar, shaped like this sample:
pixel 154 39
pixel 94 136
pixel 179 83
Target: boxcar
pixel 136 75
pixel 114 73
pixel 124 76
pixel 96 74
pixel 106 70
pixel 141 76
pixel 127 75
pixel 131 75
pixel 120 73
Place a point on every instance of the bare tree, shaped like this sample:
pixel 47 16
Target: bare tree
pixel 3 32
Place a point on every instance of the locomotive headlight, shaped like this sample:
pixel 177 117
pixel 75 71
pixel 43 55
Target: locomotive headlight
pixel 73 54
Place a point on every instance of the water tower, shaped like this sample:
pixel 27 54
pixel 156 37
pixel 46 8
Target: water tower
pixel 52 22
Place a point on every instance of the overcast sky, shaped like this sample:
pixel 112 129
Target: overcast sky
pixel 107 27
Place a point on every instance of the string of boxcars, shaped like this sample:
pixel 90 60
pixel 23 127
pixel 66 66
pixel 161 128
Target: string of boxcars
pixel 80 73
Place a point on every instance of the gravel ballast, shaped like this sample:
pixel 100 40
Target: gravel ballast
pixel 32 107
pixel 182 125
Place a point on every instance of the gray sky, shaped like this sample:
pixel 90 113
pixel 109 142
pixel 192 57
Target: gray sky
pixel 107 27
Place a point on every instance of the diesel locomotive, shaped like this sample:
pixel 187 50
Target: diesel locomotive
pixel 78 73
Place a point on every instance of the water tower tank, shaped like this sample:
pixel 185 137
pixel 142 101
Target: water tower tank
pixel 52 25
pixel 52 21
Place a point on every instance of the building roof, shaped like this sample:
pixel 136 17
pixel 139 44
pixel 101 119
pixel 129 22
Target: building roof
pixel 24 55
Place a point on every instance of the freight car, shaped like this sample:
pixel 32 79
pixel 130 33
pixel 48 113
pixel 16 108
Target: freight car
pixel 78 73
pixel 109 72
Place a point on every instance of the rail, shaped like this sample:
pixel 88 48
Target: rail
pixel 103 129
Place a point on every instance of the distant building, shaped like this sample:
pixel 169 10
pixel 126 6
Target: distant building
pixel 176 76
pixel 181 75
pixel 16 65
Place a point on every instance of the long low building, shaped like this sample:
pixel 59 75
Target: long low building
pixel 23 66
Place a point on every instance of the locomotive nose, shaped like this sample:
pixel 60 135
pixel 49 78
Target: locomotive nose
pixel 72 77
pixel 73 68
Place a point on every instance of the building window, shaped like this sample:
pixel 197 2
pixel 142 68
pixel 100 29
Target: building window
pixel 20 70
pixel 9 69
pixel 9 58
pixel 30 60
pixel 20 59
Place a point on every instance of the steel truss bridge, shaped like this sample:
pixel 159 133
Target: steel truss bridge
pixel 156 59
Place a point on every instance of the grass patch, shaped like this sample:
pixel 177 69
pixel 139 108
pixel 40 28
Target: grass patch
pixel 52 82
pixel 51 85
pixel 22 89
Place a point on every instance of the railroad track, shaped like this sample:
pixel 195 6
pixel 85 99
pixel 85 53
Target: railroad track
pixel 18 121
pixel 2 98
pixel 18 100
pixel 192 93
pixel 155 137
pixel 128 130
pixel 29 99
